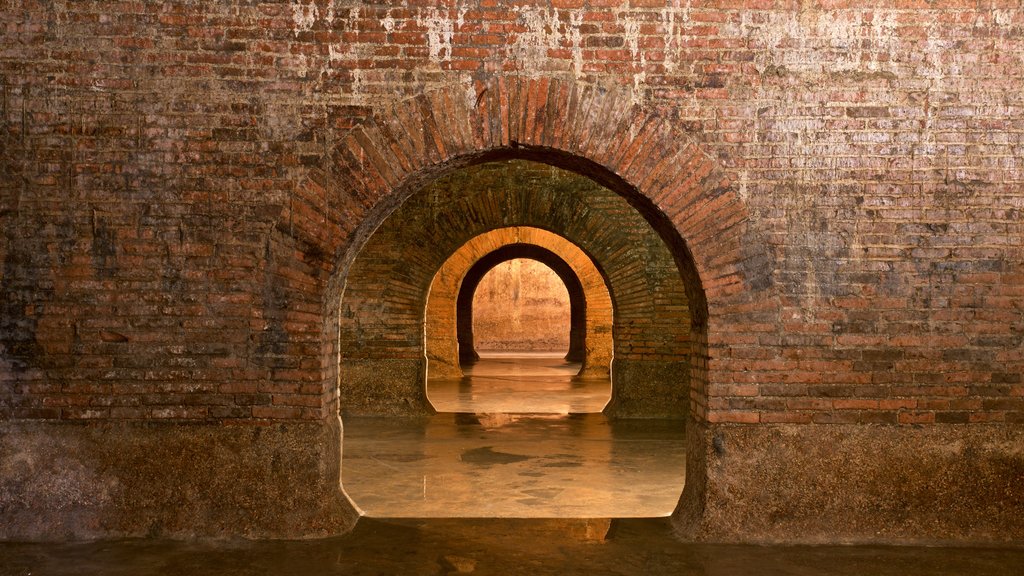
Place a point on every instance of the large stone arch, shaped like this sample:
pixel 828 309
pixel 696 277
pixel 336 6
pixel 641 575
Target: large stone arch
pixel 449 288
pixel 639 152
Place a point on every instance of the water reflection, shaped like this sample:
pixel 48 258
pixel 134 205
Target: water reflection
pixel 495 546
pixel 513 466
pixel 538 383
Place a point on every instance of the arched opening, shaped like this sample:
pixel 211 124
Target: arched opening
pixel 520 323
pixel 449 318
pixel 521 304
pixel 383 356
pixel 388 346
pixel 518 377
pixel 640 155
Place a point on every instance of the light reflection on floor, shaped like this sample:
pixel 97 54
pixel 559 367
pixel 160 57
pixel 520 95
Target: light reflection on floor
pixel 513 466
pixel 522 383
pixel 518 437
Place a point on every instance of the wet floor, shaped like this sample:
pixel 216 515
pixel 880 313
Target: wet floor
pixel 537 383
pixel 497 547
pixel 519 437
pixel 513 466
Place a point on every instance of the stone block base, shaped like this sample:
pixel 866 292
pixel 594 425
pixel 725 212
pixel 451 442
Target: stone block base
pixel 61 481
pixel 855 484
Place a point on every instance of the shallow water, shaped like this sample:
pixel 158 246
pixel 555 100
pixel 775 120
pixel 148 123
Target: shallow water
pixel 498 547
pixel 513 466
pixel 520 383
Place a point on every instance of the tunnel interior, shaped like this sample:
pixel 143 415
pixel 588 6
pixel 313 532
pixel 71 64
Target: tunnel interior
pixel 385 349
pixel 521 298
pixel 406 332
pixel 543 356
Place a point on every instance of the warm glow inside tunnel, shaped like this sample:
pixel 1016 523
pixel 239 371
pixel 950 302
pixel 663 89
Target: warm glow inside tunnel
pixel 590 426
pixel 521 306
pixel 545 334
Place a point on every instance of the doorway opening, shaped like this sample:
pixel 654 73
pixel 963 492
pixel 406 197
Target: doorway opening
pixel 521 308
pixel 520 318
pixel 625 354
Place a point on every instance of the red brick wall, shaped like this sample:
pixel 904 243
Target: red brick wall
pixel 184 187
pixel 149 148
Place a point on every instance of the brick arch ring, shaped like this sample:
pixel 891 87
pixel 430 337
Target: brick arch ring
pixel 449 343
pixel 638 152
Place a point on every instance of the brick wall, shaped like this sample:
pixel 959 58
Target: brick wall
pixel 136 212
pixel 185 185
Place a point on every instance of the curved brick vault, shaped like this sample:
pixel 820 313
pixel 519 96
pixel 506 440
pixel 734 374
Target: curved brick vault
pixel 636 152
pixel 383 366
pixel 451 296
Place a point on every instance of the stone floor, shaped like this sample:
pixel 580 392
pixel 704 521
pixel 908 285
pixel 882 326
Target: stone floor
pixel 593 547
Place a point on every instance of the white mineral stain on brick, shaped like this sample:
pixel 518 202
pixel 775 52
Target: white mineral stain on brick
pixel 744 181
pixel 543 32
pixel 631 33
pixel 669 19
pixel 359 95
pixel 470 94
pixel 546 31
pixel 821 42
pixel 575 38
pixel 304 15
pixel 440 30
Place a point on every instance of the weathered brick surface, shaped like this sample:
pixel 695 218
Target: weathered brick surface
pixel 185 185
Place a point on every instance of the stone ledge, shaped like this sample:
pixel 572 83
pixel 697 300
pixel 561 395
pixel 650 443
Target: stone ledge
pixel 817 484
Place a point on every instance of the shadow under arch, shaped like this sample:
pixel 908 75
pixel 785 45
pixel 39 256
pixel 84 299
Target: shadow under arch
pixel 590 130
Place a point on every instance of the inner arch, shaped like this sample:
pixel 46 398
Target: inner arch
pixel 449 346
pixel 468 295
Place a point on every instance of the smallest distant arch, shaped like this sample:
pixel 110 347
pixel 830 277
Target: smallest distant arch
pixel 577 298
